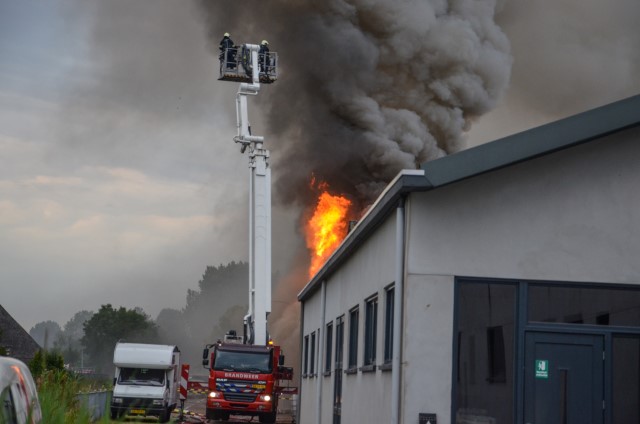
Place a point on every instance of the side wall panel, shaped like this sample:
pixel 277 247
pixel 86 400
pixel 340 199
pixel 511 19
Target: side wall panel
pixel 426 377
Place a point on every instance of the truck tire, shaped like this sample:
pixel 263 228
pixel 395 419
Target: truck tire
pixel 164 416
pixel 269 418
pixel 115 414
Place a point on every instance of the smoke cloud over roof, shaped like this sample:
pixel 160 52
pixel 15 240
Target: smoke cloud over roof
pixel 368 87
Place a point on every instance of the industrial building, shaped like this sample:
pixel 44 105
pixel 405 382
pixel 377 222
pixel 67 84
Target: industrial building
pixel 500 284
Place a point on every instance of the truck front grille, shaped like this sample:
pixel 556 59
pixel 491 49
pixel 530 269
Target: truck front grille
pixel 240 397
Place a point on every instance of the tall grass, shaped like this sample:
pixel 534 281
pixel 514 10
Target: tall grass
pixel 57 390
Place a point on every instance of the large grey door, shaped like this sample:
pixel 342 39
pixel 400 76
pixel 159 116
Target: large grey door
pixel 563 379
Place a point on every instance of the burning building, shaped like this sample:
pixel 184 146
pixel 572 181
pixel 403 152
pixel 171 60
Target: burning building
pixel 500 284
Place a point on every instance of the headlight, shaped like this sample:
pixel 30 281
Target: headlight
pixel 215 395
pixel 157 402
pixel 265 398
pixel 117 400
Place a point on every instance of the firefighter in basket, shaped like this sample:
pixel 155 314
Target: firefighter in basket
pixel 227 47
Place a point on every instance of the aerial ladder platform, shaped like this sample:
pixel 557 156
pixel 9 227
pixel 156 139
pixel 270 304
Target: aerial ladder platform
pixel 237 65
pixel 246 65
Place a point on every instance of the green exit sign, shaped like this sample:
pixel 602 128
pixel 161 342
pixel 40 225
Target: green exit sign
pixel 542 368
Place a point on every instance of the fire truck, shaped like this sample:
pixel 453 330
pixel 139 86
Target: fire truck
pixel 246 373
pixel 244 379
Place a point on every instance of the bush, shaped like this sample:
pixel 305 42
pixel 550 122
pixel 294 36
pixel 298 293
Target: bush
pixel 45 361
pixel 57 391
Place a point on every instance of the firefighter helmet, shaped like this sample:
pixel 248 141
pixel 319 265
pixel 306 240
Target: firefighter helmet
pixel 226 34
pixel 265 43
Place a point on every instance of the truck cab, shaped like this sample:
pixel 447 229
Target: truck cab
pixel 146 380
pixel 243 380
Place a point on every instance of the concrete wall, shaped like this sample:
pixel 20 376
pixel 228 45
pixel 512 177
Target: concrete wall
pixel 573 215
pixel 427 346
pixel 370 270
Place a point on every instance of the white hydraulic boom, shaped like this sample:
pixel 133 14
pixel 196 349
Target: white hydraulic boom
pixel 254 70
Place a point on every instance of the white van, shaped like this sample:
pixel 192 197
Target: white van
pixel 18 395
pixel 146 380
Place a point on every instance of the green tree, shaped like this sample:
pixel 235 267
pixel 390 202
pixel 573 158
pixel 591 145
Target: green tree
pixel 69 340
pixel 220 288
pixel 45 333
pixel 109 325
pixel 228 321
pixel 46 361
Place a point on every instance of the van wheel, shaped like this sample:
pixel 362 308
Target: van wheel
pixel 115 415
pixel 165 416
pixel 268 418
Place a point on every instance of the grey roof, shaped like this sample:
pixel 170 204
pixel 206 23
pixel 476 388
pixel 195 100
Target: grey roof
pixel 15 339
pixel 527 145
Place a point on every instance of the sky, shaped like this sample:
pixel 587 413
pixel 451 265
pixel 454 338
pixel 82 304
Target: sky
pixel 119 178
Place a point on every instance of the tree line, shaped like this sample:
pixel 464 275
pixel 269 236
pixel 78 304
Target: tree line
pixel 87 340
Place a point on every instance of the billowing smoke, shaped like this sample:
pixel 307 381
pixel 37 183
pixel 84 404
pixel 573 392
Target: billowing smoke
pixel 368 87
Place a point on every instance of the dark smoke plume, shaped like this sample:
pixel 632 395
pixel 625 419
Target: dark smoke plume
pixel 368 87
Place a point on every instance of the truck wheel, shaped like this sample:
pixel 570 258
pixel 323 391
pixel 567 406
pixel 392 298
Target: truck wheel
pixel 164 416
pixel 268 418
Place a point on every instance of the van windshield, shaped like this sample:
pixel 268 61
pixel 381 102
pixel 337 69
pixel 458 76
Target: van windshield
pixel 255 362
pixel 141 376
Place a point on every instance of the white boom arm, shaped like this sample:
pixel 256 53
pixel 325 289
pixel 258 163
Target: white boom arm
pixel 259 212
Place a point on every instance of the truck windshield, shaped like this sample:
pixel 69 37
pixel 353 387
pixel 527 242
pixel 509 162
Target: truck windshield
pixel 141 376
pixel 256 362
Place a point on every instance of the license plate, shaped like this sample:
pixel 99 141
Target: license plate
pixel 137 411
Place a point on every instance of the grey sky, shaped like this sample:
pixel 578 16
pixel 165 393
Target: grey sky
pixel 119 180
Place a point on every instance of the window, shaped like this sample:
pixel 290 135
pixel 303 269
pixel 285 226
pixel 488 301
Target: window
pixel 370 330
pixel 486 317
pixel 626 375
pixel 142 376
pixel 584 305
pixel 353 337
pixel 312 361
pixel 388 325
pixel 328 348
pixel 495 351
pixel 8 413
pixel 339 342
pixel 305 368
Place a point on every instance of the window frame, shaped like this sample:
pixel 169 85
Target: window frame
pixel 388 323
pixel 339 351
pixel 354 324
pixel 312 362
pixel 305 367
pixel 370 332
pixel 328 347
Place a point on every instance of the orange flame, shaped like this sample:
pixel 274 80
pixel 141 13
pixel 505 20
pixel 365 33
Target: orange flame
pixel 327 227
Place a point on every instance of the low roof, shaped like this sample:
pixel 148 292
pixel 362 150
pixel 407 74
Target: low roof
pixel 15 339
pixel 140 355
pixel 536 142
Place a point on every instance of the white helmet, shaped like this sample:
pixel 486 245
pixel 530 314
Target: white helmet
pixel 265 42
pixel 226 34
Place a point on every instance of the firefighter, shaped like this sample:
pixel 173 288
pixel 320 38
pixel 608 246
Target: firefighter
pixel 263 55
pixel 226 45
